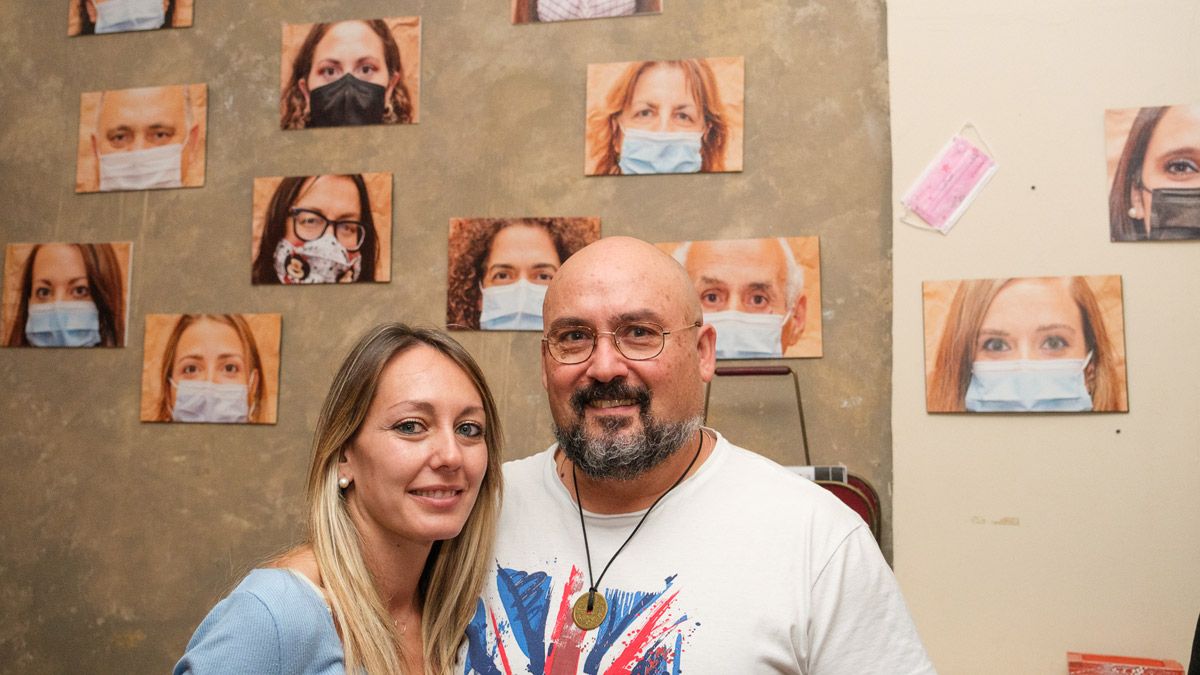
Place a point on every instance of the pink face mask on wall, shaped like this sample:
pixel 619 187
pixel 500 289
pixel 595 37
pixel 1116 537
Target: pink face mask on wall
pixel 949 184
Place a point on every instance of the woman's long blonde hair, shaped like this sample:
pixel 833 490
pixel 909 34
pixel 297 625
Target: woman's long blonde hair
pixel 604 131
pixel 455 570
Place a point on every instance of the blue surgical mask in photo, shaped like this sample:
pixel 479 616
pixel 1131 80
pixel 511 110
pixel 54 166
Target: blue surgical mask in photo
pixel 204 401
pixel 117 16
pixel 645 152
pixel 63 324
pixel 513 306
pixel 1051 385
pixel 743 335
pixel 160 167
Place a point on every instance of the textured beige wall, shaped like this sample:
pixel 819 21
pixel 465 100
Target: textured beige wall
pixel 116 537
pixel 1022 537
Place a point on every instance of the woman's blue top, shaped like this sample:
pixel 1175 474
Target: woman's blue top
pixel 273 622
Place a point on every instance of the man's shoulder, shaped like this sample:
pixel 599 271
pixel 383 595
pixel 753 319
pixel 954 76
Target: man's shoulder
pixel 527 468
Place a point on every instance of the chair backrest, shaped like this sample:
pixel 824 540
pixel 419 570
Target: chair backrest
pixel 860 497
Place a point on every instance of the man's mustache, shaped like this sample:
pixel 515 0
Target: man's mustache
pixel 616 389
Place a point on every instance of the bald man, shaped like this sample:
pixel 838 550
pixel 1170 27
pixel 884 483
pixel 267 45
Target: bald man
pixel 144 138
pixel 642 541
pixel 751 291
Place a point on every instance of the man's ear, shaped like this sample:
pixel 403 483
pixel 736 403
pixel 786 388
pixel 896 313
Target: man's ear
pixel 794 327
pixel 96 155
pixel 90 5
pixel 706 347
pixel 189 151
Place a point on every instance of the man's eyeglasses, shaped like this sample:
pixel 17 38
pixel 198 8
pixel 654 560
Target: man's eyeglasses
pixel 311 225
pixel 638 341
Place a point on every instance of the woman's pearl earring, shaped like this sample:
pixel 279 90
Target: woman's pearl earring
pixel 343 482
pixel 1133 212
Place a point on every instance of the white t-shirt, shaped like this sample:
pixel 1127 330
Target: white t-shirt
pixel 742 568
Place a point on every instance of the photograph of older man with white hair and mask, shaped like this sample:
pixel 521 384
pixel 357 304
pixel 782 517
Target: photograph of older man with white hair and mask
pixel 762 295
pixel 141 139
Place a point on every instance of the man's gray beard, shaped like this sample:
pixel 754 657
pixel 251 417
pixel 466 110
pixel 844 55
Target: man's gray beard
pixel 625 458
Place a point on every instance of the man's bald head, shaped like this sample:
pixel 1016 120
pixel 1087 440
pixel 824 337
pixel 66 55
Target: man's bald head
pixel 630 268
pixel 136 119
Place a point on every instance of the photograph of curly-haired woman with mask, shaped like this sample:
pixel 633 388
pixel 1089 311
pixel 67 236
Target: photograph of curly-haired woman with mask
pixel 1027 344
pixel 97 17
pixel 1154 172
pixel 216 368
pixel 680 116
pixel 500 268
pixel 322 229
pixel 66 295
pixel 350 73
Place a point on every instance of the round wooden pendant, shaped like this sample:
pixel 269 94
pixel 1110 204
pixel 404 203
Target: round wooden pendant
pixel 585 619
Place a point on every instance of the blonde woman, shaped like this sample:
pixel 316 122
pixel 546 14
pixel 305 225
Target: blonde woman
pixel 403 494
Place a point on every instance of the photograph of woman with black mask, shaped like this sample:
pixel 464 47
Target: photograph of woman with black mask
pixel 1026 344
pixel 97 17
pixel 1154 172
pixel 217 368
pixel 350 73
pixel 500 268
pixel 66 295
pixel 330 229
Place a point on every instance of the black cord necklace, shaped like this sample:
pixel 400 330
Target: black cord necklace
pixel 590 609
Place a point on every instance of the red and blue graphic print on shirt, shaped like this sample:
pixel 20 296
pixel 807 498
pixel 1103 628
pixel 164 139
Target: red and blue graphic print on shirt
pixel 644 633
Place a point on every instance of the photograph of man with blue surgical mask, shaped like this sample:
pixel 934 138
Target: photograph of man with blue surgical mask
pixel 142 139
pixel 217 368
pixel 1154 172
pixel 1028 344
pixel 647 117
pixel 66 295
pixel 98 17
pixel 762 295
pixel 499 268
pixel 350 73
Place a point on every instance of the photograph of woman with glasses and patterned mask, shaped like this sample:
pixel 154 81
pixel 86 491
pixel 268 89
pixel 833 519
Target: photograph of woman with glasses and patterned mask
pixel 325 229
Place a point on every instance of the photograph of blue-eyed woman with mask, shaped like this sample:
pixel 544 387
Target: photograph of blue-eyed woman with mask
pixel 648 117
pixel 1040 344
pixel 322 229
pixel 66 295
pixel 215 368
pixel 99 17
pixel 499 268
pixel 350 73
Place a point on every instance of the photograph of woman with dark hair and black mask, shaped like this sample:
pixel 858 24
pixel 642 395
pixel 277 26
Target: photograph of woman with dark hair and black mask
pixel 350 73
pixel 97 17
pixel 66 295
pixel 500 268
pixel 330 229
pixel 217 368
pixel 1025 344
pixel 1154 172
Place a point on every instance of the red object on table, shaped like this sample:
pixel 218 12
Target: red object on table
pixel 1105 664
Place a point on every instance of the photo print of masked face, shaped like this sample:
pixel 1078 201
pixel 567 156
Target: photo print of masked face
pixel 762 295
pixel 499 268
pixel 1031 344
pixel 66 295
pixel 350 73
pixel 665 116
pixel 216 368
pixel 141 139
pixel 322 229
pixel 98 17
pixel 534 11
pixel 1154 173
